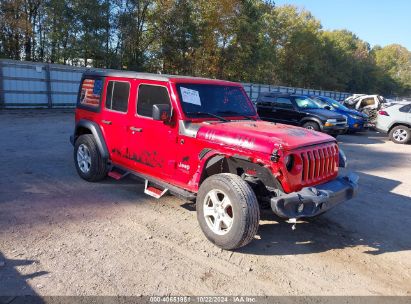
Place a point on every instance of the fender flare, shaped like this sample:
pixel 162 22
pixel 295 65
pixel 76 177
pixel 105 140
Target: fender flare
pixel 233 162
pixel 96 132
pixel 399 123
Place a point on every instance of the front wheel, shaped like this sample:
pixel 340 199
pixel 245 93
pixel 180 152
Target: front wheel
pixel 227 211
pixel 311 125
pixel 400 134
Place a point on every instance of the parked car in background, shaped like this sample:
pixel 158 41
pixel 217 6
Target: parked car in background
pixel 368 104
pixel 396 121
pixel 361 102
pixel 300 110
pixel 356 120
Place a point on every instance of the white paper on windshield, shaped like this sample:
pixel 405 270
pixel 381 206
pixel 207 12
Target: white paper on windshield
pixel 190 96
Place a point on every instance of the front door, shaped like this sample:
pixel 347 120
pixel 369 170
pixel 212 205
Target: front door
pixel 152 143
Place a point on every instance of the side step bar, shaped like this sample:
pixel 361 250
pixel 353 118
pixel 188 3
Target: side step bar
pixel 117 175
pixel 177 191
pixel 154 190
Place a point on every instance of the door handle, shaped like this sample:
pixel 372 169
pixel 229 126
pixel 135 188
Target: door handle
pixel 107 122
pixel 134 129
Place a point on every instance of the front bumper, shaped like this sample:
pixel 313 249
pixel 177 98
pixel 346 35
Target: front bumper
pixel 312 201
pixel 357 126
pixel 337 129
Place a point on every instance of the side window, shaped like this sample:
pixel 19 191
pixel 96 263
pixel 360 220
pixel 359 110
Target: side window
pixel 117 96
pixel 283 103
pixel 91 92
pixel 149 95
pixel 266 101
pixel 406 108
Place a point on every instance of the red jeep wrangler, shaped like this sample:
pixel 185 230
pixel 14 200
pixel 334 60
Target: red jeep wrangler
pixel 202 140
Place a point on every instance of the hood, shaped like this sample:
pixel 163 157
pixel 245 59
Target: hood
pixel 358 113
pixel 260 136
pixel 326 114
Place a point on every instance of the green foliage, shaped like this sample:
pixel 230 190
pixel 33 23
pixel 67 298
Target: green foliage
pixel 240 40
pixel 394 62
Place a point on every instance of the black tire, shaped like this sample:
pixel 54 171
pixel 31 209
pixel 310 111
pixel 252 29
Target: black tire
pixel 98 167
pixel 311 125
pixel 396 138
pixel 245 210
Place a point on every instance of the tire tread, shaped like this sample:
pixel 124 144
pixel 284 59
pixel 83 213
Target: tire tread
pixel 251 206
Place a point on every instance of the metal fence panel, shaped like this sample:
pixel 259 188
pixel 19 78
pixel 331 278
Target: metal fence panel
pixel 31 84
pixel 253 90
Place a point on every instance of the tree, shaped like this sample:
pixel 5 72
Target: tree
pixel 299 47
pixel 395 61
pixel 239 40
pixel 177 35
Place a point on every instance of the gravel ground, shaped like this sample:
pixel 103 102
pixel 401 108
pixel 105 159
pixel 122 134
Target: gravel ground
pixel 60 235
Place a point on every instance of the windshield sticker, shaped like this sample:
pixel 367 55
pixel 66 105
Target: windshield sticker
pixel 190 96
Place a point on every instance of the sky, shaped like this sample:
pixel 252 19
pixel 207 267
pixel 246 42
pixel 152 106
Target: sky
pixel 377 22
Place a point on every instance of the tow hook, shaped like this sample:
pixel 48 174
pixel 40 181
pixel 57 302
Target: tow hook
pixel 294 222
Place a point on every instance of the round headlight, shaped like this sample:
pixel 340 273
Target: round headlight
pixel 342 159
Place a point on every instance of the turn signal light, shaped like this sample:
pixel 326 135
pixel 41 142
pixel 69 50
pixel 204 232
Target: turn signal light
pixel 382 112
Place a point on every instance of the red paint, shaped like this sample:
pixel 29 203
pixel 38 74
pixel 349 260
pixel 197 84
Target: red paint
pixel 161 152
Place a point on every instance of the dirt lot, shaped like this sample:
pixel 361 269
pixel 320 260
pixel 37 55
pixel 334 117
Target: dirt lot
pixel 60 235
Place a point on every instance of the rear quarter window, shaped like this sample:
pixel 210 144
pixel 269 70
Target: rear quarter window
pixel 90 93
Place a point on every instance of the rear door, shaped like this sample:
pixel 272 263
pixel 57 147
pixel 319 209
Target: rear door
pixel 405 113
pixel 286 111
pixel 114 117
pixel 265 108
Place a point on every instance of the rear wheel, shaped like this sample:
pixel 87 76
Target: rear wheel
pixel 400 134
pixel 87 158
pixel 227 211
pixel 311 125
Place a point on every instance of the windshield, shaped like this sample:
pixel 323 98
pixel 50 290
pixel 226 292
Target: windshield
pixel 206 100
pixel 331 102
pixel 306 103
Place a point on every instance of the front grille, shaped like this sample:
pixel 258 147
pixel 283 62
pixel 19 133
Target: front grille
pixel 318 163
pixel 341 121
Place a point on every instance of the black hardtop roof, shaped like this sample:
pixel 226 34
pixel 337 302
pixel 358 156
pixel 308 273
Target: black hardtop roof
pixel 147 76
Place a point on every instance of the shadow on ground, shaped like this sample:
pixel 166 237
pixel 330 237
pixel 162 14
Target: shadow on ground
pixel 39 178
pixel 368 220
pixel 12 283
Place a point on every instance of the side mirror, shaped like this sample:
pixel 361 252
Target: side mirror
pixel 161 112
pixel 328 108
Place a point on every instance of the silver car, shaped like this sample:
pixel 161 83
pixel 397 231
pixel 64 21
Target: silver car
pixel 396 121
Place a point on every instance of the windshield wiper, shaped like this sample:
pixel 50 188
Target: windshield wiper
pixel 237 114
pixel 208 114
